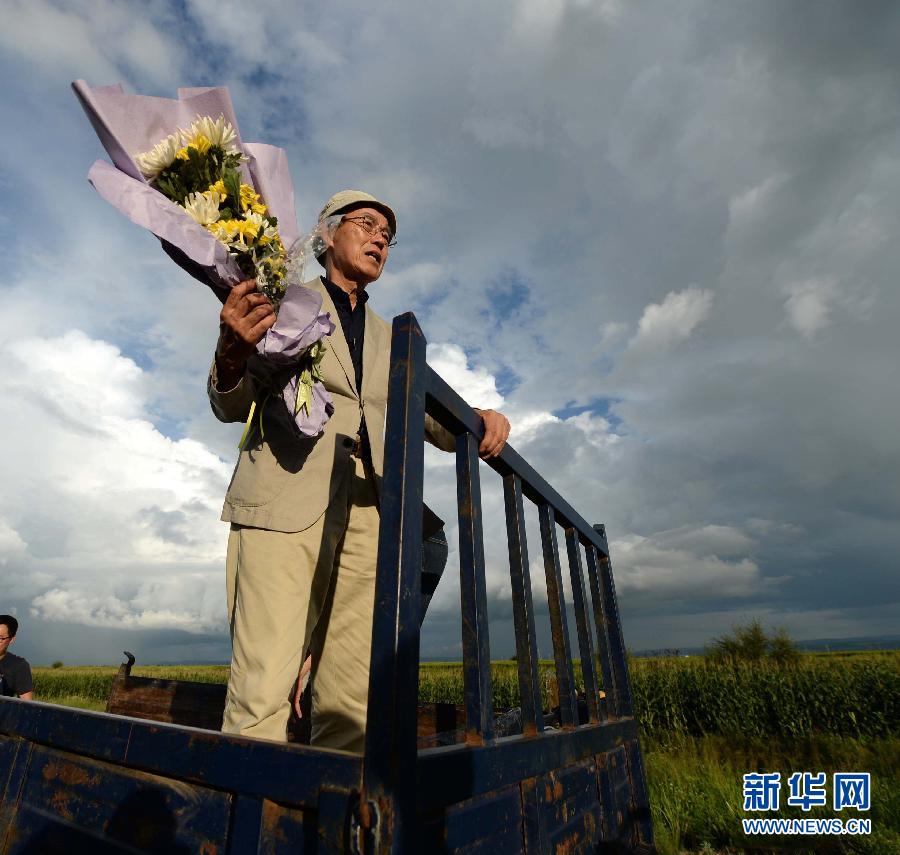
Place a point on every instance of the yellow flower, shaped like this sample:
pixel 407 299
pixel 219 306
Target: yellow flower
pixel 224 230
pixel 237 234
pixel 219 187
pixel 267 233
pixel 199 142
pixel 250 200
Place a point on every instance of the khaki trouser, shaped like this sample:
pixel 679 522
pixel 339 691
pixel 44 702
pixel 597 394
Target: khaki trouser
pixel 290 590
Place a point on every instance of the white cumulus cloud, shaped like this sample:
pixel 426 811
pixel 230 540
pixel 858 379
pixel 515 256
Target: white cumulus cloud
pixel 102 495
pixel 477 386
pixel 665 324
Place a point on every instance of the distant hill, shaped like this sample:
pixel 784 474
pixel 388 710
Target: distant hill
pixel 869 642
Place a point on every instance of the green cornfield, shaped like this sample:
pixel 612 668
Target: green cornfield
pixel 90 684
pixel 843 696
pixel 853 696
pixel 820 695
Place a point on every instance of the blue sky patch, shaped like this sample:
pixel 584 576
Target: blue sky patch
pixel 598 407
pixel 506 296
pixel 507 381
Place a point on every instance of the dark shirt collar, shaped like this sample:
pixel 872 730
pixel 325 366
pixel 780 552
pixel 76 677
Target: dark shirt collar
pixel 341 298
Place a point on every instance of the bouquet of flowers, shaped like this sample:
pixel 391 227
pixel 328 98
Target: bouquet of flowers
pixel 224 211
pixel 197 169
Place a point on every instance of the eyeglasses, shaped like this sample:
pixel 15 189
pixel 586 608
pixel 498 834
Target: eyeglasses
pixel 367 224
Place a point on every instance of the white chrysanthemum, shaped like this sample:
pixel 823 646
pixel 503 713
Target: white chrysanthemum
pixel 160 157
pixel 217 131
pixel 203 207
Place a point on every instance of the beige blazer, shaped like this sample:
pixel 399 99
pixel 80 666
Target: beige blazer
pixel 283 482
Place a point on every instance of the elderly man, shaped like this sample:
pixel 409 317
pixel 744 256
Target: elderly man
pixel 304 512
pixel 15 672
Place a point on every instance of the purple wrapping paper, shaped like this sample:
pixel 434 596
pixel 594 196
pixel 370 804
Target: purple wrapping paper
pixel 300 324
pixel 130 124
pixel 320 407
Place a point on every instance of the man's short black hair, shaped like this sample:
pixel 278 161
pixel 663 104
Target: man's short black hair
pixel 11 624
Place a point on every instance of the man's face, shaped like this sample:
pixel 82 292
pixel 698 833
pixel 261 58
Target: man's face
pixel 357 256
pixel 5 638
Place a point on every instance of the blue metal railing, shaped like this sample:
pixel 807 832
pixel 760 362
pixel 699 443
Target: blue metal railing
pixel 393 797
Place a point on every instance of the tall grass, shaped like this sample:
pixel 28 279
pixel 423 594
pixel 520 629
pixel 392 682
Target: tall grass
pixel 695 788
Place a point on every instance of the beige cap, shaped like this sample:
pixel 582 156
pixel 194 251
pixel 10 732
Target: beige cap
pixel 345 198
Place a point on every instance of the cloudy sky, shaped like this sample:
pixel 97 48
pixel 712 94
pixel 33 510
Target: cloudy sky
pixel 661 237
